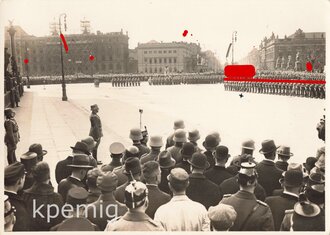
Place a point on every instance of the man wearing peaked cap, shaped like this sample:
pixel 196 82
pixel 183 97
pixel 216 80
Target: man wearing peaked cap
pixel 219 173
pixel 252 214
pixel 29 160
pixel 132 169
pixel 179 139
pixel 210 144
pixel 152 176
pixel 292 183
pixel 37 148
pixel 166 163
pixel 222 217
pixel 96 129
pixel 136 136
pixel 80 166
pixel 188 149
pixel 155 143
pixel 283 154
pixel 201 189
pixel 14 181
pixel 181 213
pixel 76 220
pixel 269 174
pixel 178 124
pixel 106 205
pixel 136 200
pixel 193 136
pixel 116 153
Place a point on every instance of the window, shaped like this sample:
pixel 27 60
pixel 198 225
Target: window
pixel 174 69
pixel 174 60
pixel 160 60
pixel 165 60
pixel 150 52
pixel 165 52
pixel 155 70
pixel 145 52
pixel 170 69
pixel 169 51
pixel 160 70
pixel 150 70
pixel 145 60
pixel 174 51
pixel 150 61
pixel 169 60
pixel 146 70
pixel 155 60
pixel 160 52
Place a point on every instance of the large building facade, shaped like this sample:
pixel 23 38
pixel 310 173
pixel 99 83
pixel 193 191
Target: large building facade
pixel 289 53
pixel 174 57
pixel 110 51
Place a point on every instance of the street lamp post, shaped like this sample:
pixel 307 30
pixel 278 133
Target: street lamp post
pixel 233 39
pixel 64 97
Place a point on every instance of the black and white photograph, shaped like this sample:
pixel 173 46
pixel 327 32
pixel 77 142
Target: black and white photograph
pixel 164 115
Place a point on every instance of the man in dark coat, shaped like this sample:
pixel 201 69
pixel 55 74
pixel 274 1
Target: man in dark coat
pixel 178 124
pixel 252 214
pixel 152 177
pixel 41 195
pixel 136 136
pixel 166 163
pixel 293 180
pixel 219 173
pixel 201 189
pixel 283 155
pixel 96 129
pixel 210 144
pixel 37 148
pixel 179 139
pixel 155 143
pixel 269 174
pixel 188 149
pixel 29 160
pixel 14 181
pixel 80 166
pixel 106 208
pixel 116 152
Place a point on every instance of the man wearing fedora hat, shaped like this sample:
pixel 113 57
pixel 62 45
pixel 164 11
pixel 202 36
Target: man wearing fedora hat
pixel 76 219
pixel 14 181
pixel 132 170
pixel 155 144
pixel 201 189
pixel 136 136
pixel 219 173
pixel 80 166
pixel 179 139
pixel 188 149
pixel 269 174
pixel 29 160
pixel 90 142
pixel 305 216
pixel 283 155
pixel 292 183
pixel 106 205
pixel 41 195
pixel 182 213
pixel 210 144
pixel 62 169
pixel 316 194
pixel 178 124
pixel 166 163
pixel 252 214
pixel 96 129
pixel 193 136
pixel 116 153
pixel 37 148
pixel 152 176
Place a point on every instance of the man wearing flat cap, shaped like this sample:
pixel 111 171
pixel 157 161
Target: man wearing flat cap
pixel 292 184
pixel 201 189
pixel 252 214
pixel 14 181
pixel 136 200
pixel 152 176
pixel 76 218
pixel 80 166
pixel 178 124
pixel 222 217
pixel 136 136
pixel 132 169
pixel 106 205
pixel 116 153
pixel 181 213
pixel 96 129
pixel 219 173
pixel 269 174
pixel 155 144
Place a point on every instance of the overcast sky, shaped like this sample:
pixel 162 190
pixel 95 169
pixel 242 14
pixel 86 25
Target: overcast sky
pixel 211 22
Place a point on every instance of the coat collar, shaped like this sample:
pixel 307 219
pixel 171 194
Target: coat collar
pixel 107 197
pixel 268 162
pixel 245 195
pixel 13 196
pixel 40 189
pixel 290 195
pixel 197 176
pixel 136 216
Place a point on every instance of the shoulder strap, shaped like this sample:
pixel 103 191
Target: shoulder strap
pixel 248 217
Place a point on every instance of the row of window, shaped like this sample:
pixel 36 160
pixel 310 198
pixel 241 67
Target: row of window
pixel 159 51
pixel 159 60
pixel 159 70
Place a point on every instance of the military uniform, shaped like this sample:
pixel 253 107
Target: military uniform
pixel 95 130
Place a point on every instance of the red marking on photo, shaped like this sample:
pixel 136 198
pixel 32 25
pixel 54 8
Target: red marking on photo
pixel 26 61
pixel 233 71
pixel 91 57
pixel 64 43
pixel 185 32
pixel 309 66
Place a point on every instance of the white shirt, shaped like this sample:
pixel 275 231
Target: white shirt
pixel 183 214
